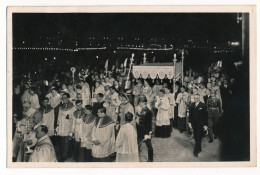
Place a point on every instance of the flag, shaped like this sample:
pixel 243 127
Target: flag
pixel 106 64
pixel 125 63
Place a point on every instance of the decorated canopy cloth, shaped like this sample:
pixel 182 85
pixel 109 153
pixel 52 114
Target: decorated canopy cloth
pixel 160 70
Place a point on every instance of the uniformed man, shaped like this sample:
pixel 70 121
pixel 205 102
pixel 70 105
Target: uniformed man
pixel 214 112
pixel 144 127
pixel 198 121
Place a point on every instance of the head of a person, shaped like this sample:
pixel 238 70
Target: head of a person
pixel 213 93
pixel 187 72
pixel 146 84
pixel 32 90
pixel 225 82
pixel 115 83
pixel 64 86
pixel 182 89
pixel 157 82
pixel 37 117
pixel 165 85
pixel 17 89
pixel 194 90
pixel 70 88
pixel 185 84
pixel 101 75
pixel 41 131
pixel 197 98
pixel 112 90
pixel 45 101
pixel 128 117
pixel 161 93
pixel 209 86
pixel 213 83
pixel 26 106
pixel 53 91
pixel 122 97
pixel 97 84
pixel 143 102
pixel 79 96
pixel 207 92
pixel 65 98
pixel 106 88
pixel 78 104
pixel 109 75
pixel 78 88
pixel 88 109
pixel 99 97
pixel 139 82
pixel 101 112
pixel 106 79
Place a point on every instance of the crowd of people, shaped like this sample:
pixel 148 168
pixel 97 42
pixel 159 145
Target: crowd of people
pixel 94 116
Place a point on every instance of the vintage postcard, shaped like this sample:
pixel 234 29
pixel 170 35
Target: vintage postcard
pixel 131 86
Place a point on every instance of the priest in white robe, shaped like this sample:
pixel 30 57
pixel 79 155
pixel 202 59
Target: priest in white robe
pixel 126 142
pixel 103 136
pixel 162 128
pixel 48 116
pixel 64 127
pixel 44 150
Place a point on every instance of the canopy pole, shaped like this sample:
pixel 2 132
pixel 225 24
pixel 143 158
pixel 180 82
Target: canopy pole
pixel 182 64
pixel 174 70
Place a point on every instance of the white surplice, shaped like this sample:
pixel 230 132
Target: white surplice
pixel 126 144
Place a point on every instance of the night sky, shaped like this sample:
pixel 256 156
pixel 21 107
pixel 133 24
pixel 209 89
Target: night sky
pixel 200 26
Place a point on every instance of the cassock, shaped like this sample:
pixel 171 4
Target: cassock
pixel 77 125
pixel 86 140
pixel 44 151
pixel 182 100
pixel 126 144
pixel 104 132
pixel 162 128
pixel 48 119
pixel 64 127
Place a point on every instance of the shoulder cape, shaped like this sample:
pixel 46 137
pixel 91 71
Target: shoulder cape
pixel 105 121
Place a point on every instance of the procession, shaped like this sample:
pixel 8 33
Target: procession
pixel 115 107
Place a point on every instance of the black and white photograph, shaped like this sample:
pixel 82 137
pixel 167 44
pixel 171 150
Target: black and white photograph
pixel 93 87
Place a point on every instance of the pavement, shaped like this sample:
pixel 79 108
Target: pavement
pixel 178 148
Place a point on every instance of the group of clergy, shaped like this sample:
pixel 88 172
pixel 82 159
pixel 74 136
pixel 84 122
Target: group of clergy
pixel 93 122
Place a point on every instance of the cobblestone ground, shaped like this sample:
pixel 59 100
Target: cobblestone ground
pixel 178 148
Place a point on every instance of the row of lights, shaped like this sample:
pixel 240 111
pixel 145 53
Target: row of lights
pixel 224 51
pixel 60 49
pixel 134 48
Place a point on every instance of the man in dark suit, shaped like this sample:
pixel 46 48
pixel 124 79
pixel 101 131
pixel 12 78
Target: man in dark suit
pixel 198 120
pixel 207 96
pixel 144 127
